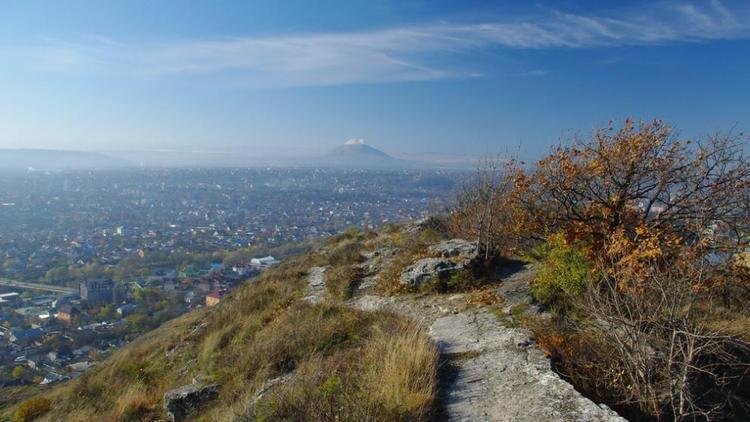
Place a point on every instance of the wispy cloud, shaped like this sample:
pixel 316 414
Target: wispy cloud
pixel 395 54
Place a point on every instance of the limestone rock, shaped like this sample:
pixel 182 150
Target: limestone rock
pixel 181 402
pixel 456 248
pixel 427 269
pixel 504 364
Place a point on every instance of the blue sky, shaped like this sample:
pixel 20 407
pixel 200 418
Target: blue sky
pixel 410 77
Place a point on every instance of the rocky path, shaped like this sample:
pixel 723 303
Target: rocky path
pixel 316 285
pixel 497 374
pixel 490 372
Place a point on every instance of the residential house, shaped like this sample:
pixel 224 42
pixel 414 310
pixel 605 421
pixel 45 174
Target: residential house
pixel 67 313
pixel 213 298
pixel 126 310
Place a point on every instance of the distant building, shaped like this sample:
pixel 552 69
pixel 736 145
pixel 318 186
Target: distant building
pixel 213 298
pixel 264 262
pixel 26 336
pixel 244 270
pixel 51 378
pixel 126 310
pixel 97 291
pixel 67 313
pixel 10 297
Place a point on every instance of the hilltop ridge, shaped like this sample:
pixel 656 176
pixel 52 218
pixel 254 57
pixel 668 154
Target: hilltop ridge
pixel 338 327
pixel 46 159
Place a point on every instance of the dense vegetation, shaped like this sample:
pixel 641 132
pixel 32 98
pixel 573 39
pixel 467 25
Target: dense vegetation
pixel 641 239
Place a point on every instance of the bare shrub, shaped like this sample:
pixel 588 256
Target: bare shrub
pixel 479 213
pixel 661 356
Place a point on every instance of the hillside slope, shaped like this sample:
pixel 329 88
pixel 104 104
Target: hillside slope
pixel 335 334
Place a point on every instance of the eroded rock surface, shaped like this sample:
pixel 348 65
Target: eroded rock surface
pixel 373 264
pixel 181 402
pixel 458 248
pixel 492 372
pixel 316 285
pixel 501 376
pixel 426 270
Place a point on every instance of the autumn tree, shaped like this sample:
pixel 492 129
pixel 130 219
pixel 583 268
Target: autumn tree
pixel 641 176
pixel 664 223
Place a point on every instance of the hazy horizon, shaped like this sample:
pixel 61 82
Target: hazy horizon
pixel 412 78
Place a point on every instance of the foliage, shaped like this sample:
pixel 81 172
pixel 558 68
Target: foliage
pixel 479 212
pixel 32 409
pixel 563 276
pixel 18 372
pixel 636 232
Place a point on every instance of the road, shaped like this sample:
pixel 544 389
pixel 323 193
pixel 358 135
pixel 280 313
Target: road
pixel 36 286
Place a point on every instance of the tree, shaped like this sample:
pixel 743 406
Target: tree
pixel 661 355
pixel 59 275
pixel 641 179
pixel 662 221
pixel 479 212
pixel 18 372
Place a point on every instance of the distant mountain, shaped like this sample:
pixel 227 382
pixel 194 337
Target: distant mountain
pixel 43 159
pixel 355 153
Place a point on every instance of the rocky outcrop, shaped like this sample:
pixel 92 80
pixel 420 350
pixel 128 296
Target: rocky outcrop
pixel 373 264
pixel 181 402
pixel 465 251
pixel 316 285
pixel 428 270
pixel 452 256
pixel 492 372
pixel 500 375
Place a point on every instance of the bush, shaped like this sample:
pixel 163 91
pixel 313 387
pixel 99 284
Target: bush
pixel 564 275
pixel 32 409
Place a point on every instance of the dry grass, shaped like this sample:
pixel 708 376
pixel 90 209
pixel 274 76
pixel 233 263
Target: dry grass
pixel 343 273
pixel 390 277
pixel 390 377
pixel 400 371
pixel 259 332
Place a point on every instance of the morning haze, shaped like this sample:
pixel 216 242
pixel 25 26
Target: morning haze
pixel 357 210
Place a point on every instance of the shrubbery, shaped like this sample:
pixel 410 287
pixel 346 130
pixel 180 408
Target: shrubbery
pixel 32 409
pixel 563 276
pixel 642 266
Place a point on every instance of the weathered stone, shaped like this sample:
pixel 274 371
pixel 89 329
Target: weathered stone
pixel 456 248
pixel 433 222
pixel 316 285
pixel 181 402
pixel 426 270
pixel 503 376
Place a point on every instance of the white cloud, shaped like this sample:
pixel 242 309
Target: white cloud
pixel 394 54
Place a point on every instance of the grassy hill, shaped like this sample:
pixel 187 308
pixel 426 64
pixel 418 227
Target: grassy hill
pixel 335 360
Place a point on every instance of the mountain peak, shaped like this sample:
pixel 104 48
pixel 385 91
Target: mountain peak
pixel 355 141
